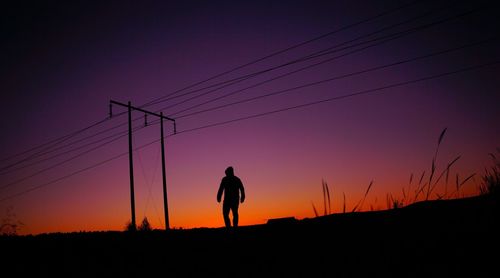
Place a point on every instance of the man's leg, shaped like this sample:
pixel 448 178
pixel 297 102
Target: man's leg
pixel 234 209
pixel 225 212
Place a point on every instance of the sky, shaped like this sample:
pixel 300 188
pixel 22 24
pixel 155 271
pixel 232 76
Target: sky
pixel 63 62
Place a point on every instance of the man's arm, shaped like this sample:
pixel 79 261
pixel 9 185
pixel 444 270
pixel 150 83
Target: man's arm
pixel 221 189
pixel 242 189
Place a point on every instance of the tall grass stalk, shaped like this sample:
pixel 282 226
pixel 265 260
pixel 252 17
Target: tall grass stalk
pixel 459 184
pixel 445 171
pixel 407 195
pixel 327 208
pixel 326 198
pixel 490 181
pixel 393 203
pixel 343 209
pixel 420 187
pixel 314 209
pixel 433 164
pixel 360 203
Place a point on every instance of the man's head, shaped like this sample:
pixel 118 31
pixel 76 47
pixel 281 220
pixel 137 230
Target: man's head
pixel 229 171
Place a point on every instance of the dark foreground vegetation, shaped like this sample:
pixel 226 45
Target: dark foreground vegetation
pixel 447 238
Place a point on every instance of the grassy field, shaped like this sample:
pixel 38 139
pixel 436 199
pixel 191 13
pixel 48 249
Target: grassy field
pixel 443 238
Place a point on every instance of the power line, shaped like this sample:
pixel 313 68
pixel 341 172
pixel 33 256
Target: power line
pixel 223 85
pixel 463 14
pixel 70 144
pixel 54 141
pixel 381 40
pixel 149 184
pixel 119 134
pixel 307 57
pixel 322 81
pixel 317 54
pixel 341 76
pixel 363 92
pixel 321 53
pixel 343 28
pixel 304 58
pixel 62 178
pixel 61 162
pixel 74 173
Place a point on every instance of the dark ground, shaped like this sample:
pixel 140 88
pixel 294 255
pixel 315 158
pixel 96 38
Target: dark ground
pixel 429 239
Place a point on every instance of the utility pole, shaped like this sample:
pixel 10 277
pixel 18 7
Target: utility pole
pixel 130 149
pixel 131 166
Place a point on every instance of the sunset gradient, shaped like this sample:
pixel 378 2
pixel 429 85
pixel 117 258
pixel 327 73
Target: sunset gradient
pixel 64 63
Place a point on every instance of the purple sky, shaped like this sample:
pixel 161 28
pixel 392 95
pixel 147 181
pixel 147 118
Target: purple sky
pixel 62 63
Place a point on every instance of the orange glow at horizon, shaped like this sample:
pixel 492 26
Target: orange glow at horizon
pixel 254 211
pixel 349 107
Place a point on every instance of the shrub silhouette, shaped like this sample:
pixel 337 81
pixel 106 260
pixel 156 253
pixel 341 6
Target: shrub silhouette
pixel 490 184
pixel 145 226
pixel 10 225
pixel 129 227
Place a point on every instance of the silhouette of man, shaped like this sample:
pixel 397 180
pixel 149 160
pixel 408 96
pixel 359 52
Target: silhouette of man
pixel 231 186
